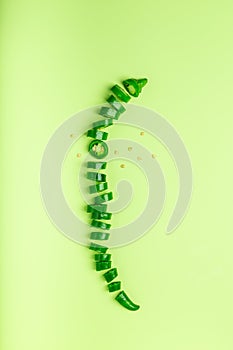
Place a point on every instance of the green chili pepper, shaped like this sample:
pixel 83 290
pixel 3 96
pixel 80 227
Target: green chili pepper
pixel 125 301
pixel 142 83
pixel 111 274
pixel 96 207
pixel 91 175
pixel 103 198
pixel 103 123
pixel 116 104
pixel 102 257
pixel 98 247
pixel 113 286
pixel 98 215
pixel 98 149
pixel 97 134
pixel 98 187
pixel 103 265
pixel 120 93
pixel 109 112
pixel 131 87
pixel 97 165
pixel 100 224
pixel 99 236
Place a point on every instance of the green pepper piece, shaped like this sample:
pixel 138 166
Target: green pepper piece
pixel 101 225
pixel 98 247
pixel 111 274
pixel 116 104
pixel 131 87
pixel 125 301
pixel 98 187
pixel 97 165
pixel 98 215
pixel 98 149
pixel 91 175
pixel 120 93
pixel 103 198
pixel 142 82
pixel 103 265
pixel 109 112
pixel 97 134
pixel 113 286
pixel 102 257
pixel 96 207
pixel 99 236
pixel 103 123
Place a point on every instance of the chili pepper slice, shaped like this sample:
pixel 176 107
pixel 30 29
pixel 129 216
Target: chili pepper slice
pixel 97 134
pixel 99 236
pixel 125 301
pixel 98 149
pixel 98 187
pixel 91 175
pixel 111 274
pixel 120 93
pixel 102 257
pixel 131 87
pixel 98 247
pixel 142 82
pixel 105 197
pixel 113 286
pixel 103 123
pixel 116 104
pixel 96 207
pixel 103 265
pixel 109 112
pixel 98 215
pixel 97 165
pixel 100 224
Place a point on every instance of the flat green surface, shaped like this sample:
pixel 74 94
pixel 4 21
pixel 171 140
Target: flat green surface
pixel 60 57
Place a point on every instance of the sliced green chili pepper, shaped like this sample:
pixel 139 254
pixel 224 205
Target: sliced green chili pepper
pixel 102 257
pixel 99 236
pixel 103 265
pixel 142 83
pixel 98 247
pixel 98 149
pixel 109 112
pixel 98 187
pixel 97 165
pixel 125 301
pixel 103 198
pixel 97 134
pixel 96 207
pixel 103 123
pixel 116 104
pixel 100 224
pixel 98 215
pixel 91 175
pixel 120 93
pixel 111 274
pixel 131 87
pixel 113 286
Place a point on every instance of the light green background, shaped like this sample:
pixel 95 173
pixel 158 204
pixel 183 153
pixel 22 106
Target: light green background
pixel 58 57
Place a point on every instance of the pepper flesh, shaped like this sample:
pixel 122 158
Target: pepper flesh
pixel 98 215
pixel 97 165
pixel 103 265
pixel 132 87
pixel 109 112
pixel 98 248
pixel 111 274
pixel 116 104
pixel 98 149
pixel 100 224
pixel 120 93
pixel 125 301
pixel 102 257
pixel 103 198
pixel 99 236
pixel 98 187
pixel 91 175
pixel 103 123
pixel 96 207
pixel 97 134
pixel 114 286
